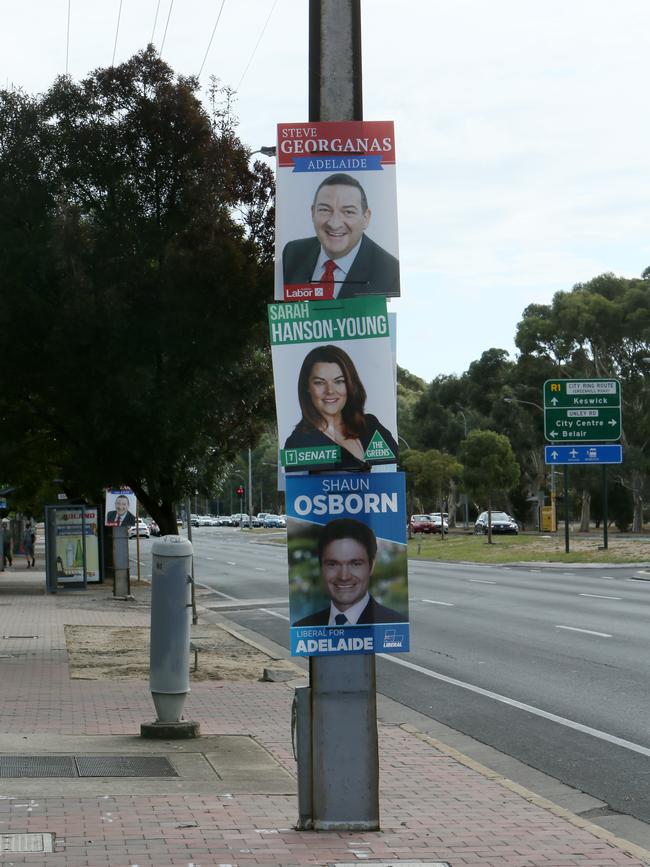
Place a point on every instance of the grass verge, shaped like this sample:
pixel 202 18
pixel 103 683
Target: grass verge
pixel 529 548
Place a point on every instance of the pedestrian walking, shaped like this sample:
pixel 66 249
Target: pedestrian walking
pixel 29 539
pixel 6 544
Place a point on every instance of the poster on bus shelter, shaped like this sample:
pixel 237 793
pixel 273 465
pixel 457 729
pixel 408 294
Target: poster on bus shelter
pixel 334 384
pixel 77 542
pixel 336 211
pixel 346 546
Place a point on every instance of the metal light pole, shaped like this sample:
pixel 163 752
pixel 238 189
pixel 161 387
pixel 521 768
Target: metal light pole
pixel 339 772
pixel 539 505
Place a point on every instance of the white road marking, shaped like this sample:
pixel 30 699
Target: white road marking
pixel 230 563
pixel 608 577
pixel 274 613
pixel 596 596
pixel 534 570
pixel 481 581
pixel 433 602
pixel 586 631
pixel 218 592
pixel 596 733
pixel 260 569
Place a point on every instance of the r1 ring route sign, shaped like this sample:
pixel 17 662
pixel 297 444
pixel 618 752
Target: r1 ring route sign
pixel 582 410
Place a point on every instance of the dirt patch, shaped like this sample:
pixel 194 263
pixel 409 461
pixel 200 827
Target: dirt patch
pixel 631 549
pixel 118 653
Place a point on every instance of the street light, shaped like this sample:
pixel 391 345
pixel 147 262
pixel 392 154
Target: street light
pixel 266 150
pixel 518 400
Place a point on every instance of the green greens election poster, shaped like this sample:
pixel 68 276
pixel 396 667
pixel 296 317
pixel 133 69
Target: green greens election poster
pixel 334 384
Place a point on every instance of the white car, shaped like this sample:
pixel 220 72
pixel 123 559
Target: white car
pixel 139 529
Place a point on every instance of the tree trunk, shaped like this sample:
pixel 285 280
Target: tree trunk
pixel 163 512
pixel 585 514
pixel 489 520
pixel 638 480
pixel 453 503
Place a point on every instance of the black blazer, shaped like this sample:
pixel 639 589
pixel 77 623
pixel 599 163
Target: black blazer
pixel 373 272
pixel 129 519
pixel 372 613
pixel 300 438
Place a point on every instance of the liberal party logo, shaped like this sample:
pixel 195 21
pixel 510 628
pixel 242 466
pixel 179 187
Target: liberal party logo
pixel 393 638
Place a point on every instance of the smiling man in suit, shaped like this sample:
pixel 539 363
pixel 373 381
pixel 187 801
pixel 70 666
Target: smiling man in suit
pixel 341 257
pixel 347 550
pixel 120 516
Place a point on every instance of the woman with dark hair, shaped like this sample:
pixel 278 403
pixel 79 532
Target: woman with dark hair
pixel 332 401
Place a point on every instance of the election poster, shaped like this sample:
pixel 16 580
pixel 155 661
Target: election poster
pixel 334 385
pixel 121 508
pixel 346 545
pixel 336 211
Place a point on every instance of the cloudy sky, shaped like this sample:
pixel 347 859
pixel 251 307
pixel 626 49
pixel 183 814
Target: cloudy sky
pixel 522 129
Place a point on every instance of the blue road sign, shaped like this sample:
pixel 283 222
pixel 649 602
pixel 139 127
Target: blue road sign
pixel 583 454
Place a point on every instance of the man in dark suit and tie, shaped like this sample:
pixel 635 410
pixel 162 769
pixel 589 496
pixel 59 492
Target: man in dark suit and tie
pixel 347 550
pixel 120 516
pixel 341 258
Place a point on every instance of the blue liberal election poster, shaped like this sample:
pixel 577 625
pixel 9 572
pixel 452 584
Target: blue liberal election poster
pixel 348 583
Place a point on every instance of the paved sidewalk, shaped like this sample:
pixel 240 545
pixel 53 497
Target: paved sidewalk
pixel 436 805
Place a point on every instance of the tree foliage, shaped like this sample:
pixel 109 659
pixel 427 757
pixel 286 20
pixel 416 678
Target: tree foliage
pixel 135 250
pixel 489 467
pixel 602 329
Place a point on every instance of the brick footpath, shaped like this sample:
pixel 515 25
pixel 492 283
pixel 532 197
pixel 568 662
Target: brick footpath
pixel 436 805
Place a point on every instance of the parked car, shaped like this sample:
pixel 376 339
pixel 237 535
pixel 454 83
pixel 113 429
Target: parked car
pixel 154 529
pixel 240 519
pixel 139 529
pixel 224 521
pixel 421 524
pixel 440 521
pixel 502 523
pixel 274 521
pixel 428 523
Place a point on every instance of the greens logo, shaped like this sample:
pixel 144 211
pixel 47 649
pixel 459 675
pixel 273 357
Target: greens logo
pixel 377 449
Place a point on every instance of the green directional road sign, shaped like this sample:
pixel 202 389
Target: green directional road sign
pixel 582 410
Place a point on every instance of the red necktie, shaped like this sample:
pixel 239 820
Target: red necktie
pixel 328 278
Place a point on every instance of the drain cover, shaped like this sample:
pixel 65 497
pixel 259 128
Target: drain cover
pixel 124 766
pixel 26 843
pixel 37 766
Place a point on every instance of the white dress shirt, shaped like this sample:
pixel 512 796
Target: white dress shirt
pixel 353 613
pixel 341 271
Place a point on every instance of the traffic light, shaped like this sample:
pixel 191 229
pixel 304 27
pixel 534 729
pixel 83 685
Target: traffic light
pixel 240 491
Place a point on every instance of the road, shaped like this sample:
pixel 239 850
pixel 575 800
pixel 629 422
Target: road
pixel 547 665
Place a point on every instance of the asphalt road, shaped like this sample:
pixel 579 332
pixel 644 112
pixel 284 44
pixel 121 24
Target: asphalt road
pixel 547 665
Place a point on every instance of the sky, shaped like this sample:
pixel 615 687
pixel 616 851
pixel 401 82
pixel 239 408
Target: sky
pixel 522 133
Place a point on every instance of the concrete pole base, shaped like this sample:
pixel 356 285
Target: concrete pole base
pixel 183 729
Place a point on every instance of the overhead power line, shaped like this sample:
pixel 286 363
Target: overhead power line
pixel 214 29
pixel 266 23
pixel 67 41
pixel 117 30
pixel 169 15
pixel 155 21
